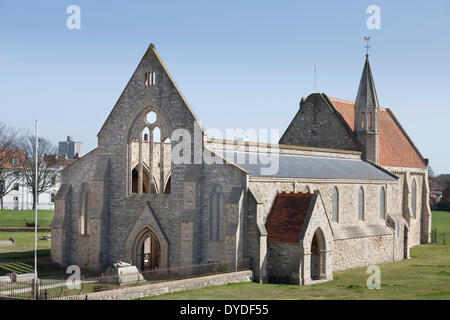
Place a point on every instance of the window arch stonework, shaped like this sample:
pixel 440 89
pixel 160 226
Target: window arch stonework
pixel 361 204
pixel 149 153
pixel 335 205
pixel 414 198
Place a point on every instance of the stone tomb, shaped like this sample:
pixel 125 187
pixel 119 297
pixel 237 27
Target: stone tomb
pixel 122 273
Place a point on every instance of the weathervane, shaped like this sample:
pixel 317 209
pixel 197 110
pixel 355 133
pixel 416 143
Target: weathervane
pixel 367 45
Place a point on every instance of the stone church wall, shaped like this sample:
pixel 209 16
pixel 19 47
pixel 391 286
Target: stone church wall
pixel 317 125
pixel 283 262
pixel 359 252
pixel 419 226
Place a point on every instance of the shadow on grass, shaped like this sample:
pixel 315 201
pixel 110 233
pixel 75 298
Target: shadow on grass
pixel 24 254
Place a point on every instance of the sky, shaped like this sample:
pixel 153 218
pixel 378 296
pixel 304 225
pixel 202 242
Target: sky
pixel 240 64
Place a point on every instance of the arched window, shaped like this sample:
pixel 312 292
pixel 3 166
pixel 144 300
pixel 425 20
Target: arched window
pixel 149 154
pixel 363 120
pixel 370 120
pixel 166 159
pixel 215 214
pixel 335 206
pixel 414 198
pixel 135 180
pixel 382 203
pixel 84 214
pixel 361 204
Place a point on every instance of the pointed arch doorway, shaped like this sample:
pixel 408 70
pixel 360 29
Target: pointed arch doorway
pixel 147 251
pixel 318 256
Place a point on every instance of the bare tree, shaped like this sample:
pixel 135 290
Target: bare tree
pixel 431 173
pixel 9 161
pixel 47 170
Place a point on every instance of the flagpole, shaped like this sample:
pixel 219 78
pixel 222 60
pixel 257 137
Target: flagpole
pixel 35 202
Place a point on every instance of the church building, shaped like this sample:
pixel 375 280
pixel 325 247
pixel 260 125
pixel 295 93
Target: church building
pixel 350 188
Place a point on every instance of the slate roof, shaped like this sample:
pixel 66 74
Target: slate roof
pixel 286 218
pixel 396 147
pixel 308 167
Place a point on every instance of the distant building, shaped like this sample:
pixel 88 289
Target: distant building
pixel 435 196
pixel 70 149
pixel 21 197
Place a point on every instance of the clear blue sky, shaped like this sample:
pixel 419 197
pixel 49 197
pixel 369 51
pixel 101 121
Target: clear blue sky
pixel 240 64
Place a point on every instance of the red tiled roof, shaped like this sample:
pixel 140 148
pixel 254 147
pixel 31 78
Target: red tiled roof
pixel 396 147
pixel 8 156
pixel 286 218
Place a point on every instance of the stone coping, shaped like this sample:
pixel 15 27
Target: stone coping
pixel 154 289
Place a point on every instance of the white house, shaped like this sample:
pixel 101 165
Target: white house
pixel 21 197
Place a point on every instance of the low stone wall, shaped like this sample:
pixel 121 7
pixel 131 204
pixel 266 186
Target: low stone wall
pixel 154 289
pixel 25 229
pixel 360 252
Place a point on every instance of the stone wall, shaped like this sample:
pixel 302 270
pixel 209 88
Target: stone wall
pixel 136 292
pixel 283 262
pixel 420 225
pixel 317 124
pixel 348 197
pixel 359 252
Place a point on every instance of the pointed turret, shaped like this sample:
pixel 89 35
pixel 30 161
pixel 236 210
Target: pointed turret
pixel 367 94
pixel 366 114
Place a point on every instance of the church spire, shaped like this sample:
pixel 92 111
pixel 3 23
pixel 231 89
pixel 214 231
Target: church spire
pixel 367 94
pixel 366 114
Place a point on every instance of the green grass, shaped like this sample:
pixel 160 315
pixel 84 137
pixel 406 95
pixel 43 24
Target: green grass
pixel 17 267
pixel 425 276
pixel 18 218
pixel 441 221
pixel 23 241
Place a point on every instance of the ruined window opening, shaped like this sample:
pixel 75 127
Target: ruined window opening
pixel 151 117
pixel 361 204
pixel 335 204
pixel 382 203
pixel 135 180
pixel 150 157
pixel 414 198
pixel 156 135
pixel 145 134
pixel 150 78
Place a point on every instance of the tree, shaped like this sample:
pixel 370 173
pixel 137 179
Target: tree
pixel 446 192
pixel 9 161
pixel 47 170
pixel 431 173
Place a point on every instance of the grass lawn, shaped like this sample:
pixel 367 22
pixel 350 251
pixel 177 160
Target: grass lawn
pixel 18 218
pixel 441 221
pixel 425 276
pixel 23 241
